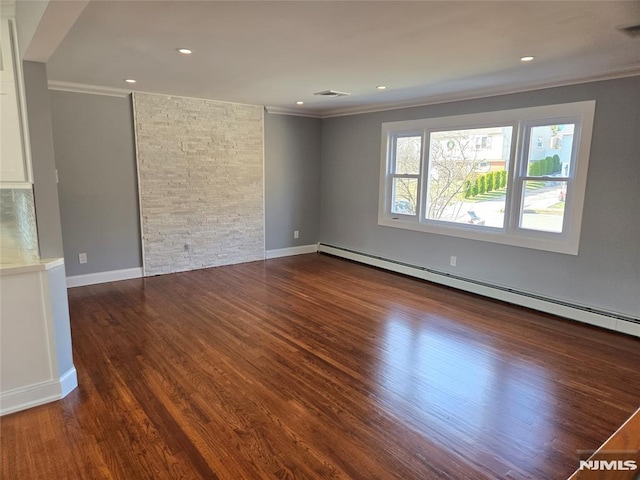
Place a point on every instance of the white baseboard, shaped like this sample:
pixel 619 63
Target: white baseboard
pixel 608 320
pixel 103 277
pixel 38 394
pixel 68 382
pixel 286 252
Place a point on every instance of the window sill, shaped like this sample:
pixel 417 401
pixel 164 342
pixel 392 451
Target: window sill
pixel 526 239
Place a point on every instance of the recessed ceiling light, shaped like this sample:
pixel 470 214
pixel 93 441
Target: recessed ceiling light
pixel 185 51
pixel 129 80
pixel 381 87
pixel 528 58
pixel 299 102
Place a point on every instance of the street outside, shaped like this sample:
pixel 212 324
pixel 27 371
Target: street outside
pixel 543 209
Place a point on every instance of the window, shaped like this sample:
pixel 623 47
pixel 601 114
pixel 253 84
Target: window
pixel 407 152
pixel 515 177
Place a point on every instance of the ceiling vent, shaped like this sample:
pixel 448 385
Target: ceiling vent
pixel 332 93
pixel 633 31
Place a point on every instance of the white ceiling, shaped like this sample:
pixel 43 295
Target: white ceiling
pixel 276 53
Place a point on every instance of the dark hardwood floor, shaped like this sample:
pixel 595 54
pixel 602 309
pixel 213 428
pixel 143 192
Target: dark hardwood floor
pixel 623 446
pixel 312 367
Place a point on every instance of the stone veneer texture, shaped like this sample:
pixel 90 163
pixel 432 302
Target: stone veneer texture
pixel 201 182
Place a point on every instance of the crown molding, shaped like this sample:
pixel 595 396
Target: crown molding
pixel 91 89
pixel 171 95
pixel 124 92
pixel 379 107
pixel 482 93
pixel 291 111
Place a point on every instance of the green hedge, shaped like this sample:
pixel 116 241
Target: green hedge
pixel 485 183
pixel 546 166
pixel 496 180
pixel 490 179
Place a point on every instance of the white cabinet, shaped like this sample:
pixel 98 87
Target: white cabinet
pixel 14 163
pixel 36 361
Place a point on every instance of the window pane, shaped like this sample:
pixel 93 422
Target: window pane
pixel 405 191
pixel 543 206
pixel 407 160
pixel 467 180
pixel 550 150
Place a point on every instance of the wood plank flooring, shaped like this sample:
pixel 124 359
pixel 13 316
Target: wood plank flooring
pixel 623 446
pixel 312 367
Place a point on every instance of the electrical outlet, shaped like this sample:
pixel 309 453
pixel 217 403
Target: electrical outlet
pixel 82 257
pixel 453 261
pixel 296 234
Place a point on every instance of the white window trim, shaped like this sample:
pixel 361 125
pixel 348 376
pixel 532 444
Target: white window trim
pixel 566 242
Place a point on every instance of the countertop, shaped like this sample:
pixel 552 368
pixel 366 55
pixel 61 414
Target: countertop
pixel 17 268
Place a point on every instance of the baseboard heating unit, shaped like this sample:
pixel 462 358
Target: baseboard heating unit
pixel 581 313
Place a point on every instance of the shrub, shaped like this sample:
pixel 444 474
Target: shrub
pixel 548 165
pixel 482 184
pixel 545 166
pixel 557 165
pixel 467 189
pixel 534 169
pixel 503 178
pixel 490 180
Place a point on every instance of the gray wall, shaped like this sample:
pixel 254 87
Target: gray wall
pixel 98 194
pixel 42 158
pixel 95 157
pixel 292 174
pixel 606 272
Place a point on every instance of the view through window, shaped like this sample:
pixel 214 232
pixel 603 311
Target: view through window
pixel 504 176
pixel 467 179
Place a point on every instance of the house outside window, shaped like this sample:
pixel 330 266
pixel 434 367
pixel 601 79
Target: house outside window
pixel 515 176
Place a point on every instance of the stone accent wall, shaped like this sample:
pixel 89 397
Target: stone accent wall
pixel 201 176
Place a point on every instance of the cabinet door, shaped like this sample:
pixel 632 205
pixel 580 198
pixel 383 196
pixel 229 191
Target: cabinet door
pixel 12 154
pixel 6 50
pixel 12 166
